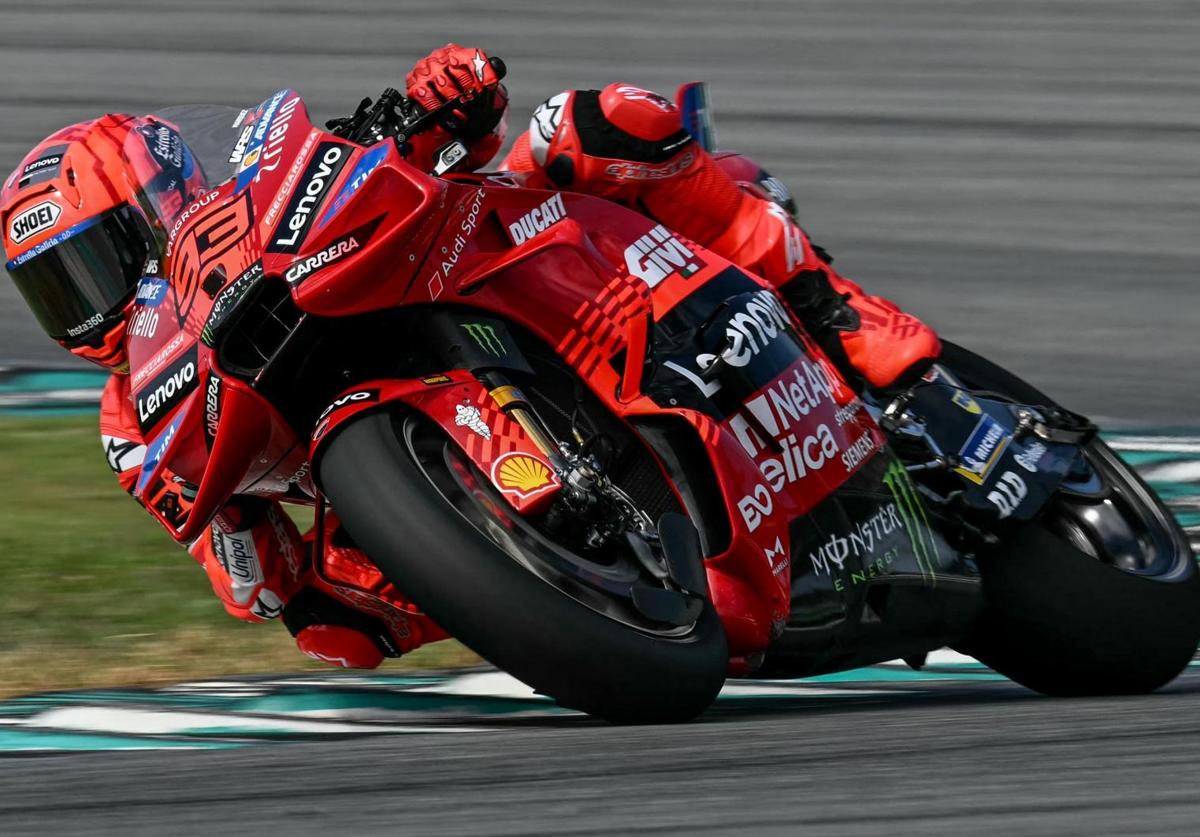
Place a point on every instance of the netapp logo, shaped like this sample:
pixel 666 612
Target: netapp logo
pixel 319 175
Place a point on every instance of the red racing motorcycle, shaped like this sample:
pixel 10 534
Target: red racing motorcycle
pixel 606 459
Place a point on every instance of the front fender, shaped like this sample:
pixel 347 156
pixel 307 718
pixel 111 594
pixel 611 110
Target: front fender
pixel 458 403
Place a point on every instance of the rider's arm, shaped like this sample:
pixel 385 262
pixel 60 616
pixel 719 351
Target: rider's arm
pixel 252 553
pixel 629 145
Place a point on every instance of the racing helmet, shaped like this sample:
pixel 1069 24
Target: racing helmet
pixel 84 216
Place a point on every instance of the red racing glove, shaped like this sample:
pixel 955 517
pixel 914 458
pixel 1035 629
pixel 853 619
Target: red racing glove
pixel 469 75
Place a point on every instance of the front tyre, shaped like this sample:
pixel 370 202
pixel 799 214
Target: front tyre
pixel 1100 594
pixel 411 502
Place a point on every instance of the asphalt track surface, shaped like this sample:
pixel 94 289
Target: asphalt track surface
pixel 1024 175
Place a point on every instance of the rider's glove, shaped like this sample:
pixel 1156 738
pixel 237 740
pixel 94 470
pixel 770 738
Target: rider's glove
pixel 468 75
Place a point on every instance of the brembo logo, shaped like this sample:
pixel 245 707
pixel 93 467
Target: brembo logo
pixel 36 219
pixel 320 174
pixel 657 255
pixel 538 220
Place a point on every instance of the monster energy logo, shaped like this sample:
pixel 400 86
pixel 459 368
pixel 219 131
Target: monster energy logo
pixel 485 337
pixel 916 524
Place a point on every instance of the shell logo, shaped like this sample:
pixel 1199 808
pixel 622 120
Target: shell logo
pixel 522 474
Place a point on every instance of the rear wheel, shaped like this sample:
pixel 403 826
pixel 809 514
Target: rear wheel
pixel 558 620
pixel 1100 594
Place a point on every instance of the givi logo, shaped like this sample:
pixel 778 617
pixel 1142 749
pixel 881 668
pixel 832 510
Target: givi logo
pixel 38 218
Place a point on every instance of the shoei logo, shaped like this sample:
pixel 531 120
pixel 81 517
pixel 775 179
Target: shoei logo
pixel 485 337
pixel 38 218
pixel 657 255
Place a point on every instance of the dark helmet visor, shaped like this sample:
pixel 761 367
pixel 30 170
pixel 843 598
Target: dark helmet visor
pixel 78 280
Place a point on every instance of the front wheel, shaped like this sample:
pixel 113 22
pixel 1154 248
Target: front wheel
pixel 1100 594
pixel 436 528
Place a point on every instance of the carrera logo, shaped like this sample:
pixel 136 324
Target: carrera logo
pixel 318 176
pixel 212 409
pixel 657 255
pixel 335 252
pixel 38 218
pixel 538 219
pixel 166 391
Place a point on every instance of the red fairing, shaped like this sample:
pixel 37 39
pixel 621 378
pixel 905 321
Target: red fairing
pixel 464 409
pixel 348 230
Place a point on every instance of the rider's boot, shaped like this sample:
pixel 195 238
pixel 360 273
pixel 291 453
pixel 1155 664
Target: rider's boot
pixel 864 334
pixel 349 615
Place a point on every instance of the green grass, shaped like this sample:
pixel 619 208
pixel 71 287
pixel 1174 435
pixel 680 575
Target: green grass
pixel 94 592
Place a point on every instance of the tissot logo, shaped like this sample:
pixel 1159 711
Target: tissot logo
pixel 319 175
pixel 38 218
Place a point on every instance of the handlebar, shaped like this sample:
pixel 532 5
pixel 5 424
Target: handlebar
pixel 395 115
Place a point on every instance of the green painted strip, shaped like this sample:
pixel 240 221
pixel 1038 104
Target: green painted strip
pixel 52 380
pixel 18 740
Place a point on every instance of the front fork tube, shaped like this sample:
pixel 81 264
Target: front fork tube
pixel 511 401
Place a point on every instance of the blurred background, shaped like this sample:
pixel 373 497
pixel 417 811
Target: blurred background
pixel 1023 175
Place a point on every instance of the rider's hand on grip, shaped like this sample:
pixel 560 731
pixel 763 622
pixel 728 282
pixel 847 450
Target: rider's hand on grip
pixel 468 80
pixel 453 72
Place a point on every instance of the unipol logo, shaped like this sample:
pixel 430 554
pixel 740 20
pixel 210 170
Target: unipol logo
pixel 38 218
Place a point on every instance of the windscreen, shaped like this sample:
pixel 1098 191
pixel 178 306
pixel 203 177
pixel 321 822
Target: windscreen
pixel 178 154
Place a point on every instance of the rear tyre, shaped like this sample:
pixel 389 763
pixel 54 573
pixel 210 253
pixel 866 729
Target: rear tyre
pixel 1101 594
pixel 407 496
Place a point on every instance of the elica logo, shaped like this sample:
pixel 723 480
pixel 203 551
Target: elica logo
pixel 315 182
pixel 537 220
pixel 38 218
pixel 657 255
pixel 485 337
